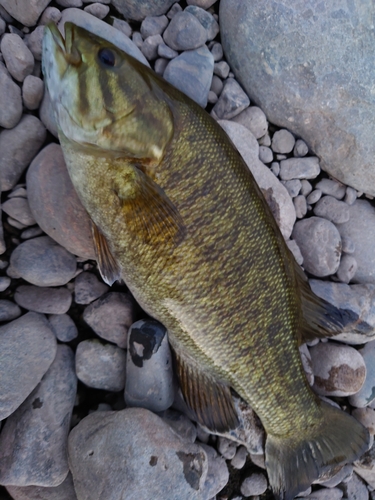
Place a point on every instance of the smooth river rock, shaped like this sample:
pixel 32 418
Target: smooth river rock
pixel 301 63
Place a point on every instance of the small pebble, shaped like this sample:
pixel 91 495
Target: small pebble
pixel 50 14
pixel 217 474
pixel 300 148
pixel 88 288
pixel 137 39
pixel 216 85
pixel 122 26
pixel 160 65
pixel 347 269
pixel 15 223
pixel 150 46
pixel 97 9
pixel 332 188
pixel 239 459
pixel 300 206
pixel 293 187
pixel 255 484
pixel 32 92
pixel 350 195
pixel 367 418
pixel 153 25
pixel 205 4
pixel 348 245
pixel 299 168
pixel 31 232
pixel 185 32
pixel 63 327
pixel 10 98
pixel 18 58
pixel 306 187
pixel 9 310
pixel 34 41
pixel 366 395
pixel 354 489
pixel 332 209
pixel 255 120
pixel 221 69
pixel 166 52
pixel 43 300
pixel 265 154
pixel 283 141
pixel 212 97
pixel 4 283
pixel 175 9
pixel 217 51
pixel 314 196
pixel 208 22
pixel 275 168
pixel 227 448
pixel 294 248
pixel 70 3
pixel 18 208
pixel 232 100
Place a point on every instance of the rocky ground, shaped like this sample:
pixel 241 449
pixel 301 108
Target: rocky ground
pixel 80 359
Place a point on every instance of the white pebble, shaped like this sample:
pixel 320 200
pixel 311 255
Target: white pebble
pixel 256 484
pixel 300 206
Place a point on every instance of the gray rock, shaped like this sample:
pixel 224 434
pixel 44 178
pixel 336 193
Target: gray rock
pixel 293 187
pixel 160 65
pixel 217 86
pixel 101 366
pixel 294 248
pixel 206 19
pixel 43 300
pixel 70 3
pixel 185 32
pixel 166 52
pixel 320 245
pixel 239 459
pixel 367 418
pixel 27 349
pixel 180 424
pixel 360 229
pixel 4 283
pixel 43 262
pixel 331 188
pixel 102 29
pixel 138 10
pixel 55 205
pixel 355 489
pixel 152 460
pixel 344 474
pixel 137 39
pixel 153 25
pixel 205 4
pixel 150 46
pixel 255 120
pixel 10 98
pixel 275 168
pixel 34 42
pixel 325 494
pixel 265 140
pixel 50 14
pixel 18 147
pixel 33 442
pixel 339 370
pixel 175 9
pixel 366 395
pixel 32 92
pixel 299 168
pixel 283 141
pixel 88 288
pixel 217 474
pixel 255 484
pixel 65 491
pixel 265 154
pixel 63 327
pixel 149 371
pixel 232 100
pixel 217 51
pixel 18 58
pixel 31 232
pixel 26 12
pixel 97 9
pixel 221 69
pixel 9 310
pixel 365 467
pixel 212 97
pixel 300 205
pixel 347 269
pixel 19 209
pixel 226 447
pixel 278 51
pixel 110 317
pixel 46 114
pixel 350 195
pixel 121 25
pixel 191 72
pixel 300 148
pixel 275 193
pixel 314 196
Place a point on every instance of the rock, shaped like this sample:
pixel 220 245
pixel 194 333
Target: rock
pixel 367 418
pixel 366 395
pixel 65 491
pixel 97 9
pixel 32 92
pixel 31 232
pixel 300 206
pixel 325 494
pixel 43 300
pixel 63 327
pixel 10 98
pixel 360 223
pixel 299 168
pixel 283 141
pixel 344 474
pixel 191 72
pixel 221 69
pixel 143 446
pixel 239 459
pixel 9 310
pixel 26 12
pixel 87 288
pixel 300 148
pixel 19 209
pixel 217 474
pixel 150 46
pixel 265 154
pixel 55 205
pixel 232 101
pixel 365 467
pixel 355 489
pixel 294 248
pixel 275 193
pixel 206 19
pixel 47 115
pixel 18 58
pixel 180 424
pixel 217 86
pixel 70 3
pixel 102 29
pixel 320 245
pixel 185 32
pixel 166 52
pixel 217 51
pixel 149 368
pixel 176 7
pixel 350 195
pixel 101 366
pixel 205 4
pixel 293 187
pixel 333 112
pixel 339 370
pixel 138 10
pixel 18 147
pixel 347 268
pixel 314 196
pixel 226 447
pixel 34 42
pixel 160 65
pixel 33 442
pixel 331 209
pixel 110 317
pixel 254 119
pixel 27 349
pixel 153 25
pixel 307 364
pixel 331 188
pixel 255 484
pixel 50 14
pixel 42 262
pixel 121 25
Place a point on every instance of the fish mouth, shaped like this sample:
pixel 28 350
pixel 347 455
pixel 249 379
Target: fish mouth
pixel 65 46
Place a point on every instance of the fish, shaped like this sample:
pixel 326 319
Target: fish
pixel 178 216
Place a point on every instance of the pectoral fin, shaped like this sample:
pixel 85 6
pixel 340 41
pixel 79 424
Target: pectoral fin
pixel 108 267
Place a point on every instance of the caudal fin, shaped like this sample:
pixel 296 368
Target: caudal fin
pixel 294 463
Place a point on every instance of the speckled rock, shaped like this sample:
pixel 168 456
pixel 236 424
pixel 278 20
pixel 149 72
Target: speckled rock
pixel 63 327
pixel 27 349
pixel 339 370
pixel 191 72
pixel 25 11
pixel 43 300
pixel 10 98
pixel 134 451
pixel 65 491
pixel 149 369
pixel 9 310
pixel 87 288
pixel 139 9
pixel 18 147
pixel 320 245
pixel 18 58
pixel 150 46
pixel 33 442
pixel 366 395
pixel 101 366
pixel 232 101
pixel 55 205
pixel 43 262
pixel 275 193
pixel 110 317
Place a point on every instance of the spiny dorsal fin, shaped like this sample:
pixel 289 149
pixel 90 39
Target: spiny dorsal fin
pixel 210 400
pixel 108 267
pixel 150 215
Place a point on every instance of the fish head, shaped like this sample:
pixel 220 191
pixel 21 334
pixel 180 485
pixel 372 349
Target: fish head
pixel 102 97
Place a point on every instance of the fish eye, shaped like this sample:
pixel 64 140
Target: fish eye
pixel 107 57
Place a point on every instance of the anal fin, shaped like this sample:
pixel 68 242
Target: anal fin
pixel 210 400
pixel 108 267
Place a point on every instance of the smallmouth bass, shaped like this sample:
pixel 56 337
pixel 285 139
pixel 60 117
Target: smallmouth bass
pixel 177 214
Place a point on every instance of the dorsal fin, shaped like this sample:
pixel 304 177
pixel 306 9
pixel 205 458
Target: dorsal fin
pixel 210 400
pixel 108 267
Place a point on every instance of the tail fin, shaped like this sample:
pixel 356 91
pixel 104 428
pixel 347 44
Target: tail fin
pixel 294 463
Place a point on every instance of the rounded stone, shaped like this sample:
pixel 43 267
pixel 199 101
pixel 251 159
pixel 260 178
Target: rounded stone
pixel 138 10
pixel 43 300
pixel 9 310
pixel 55 205
pixel 63 327
pixel 26 12
pixel 43 262
pixel 255 484
pixel 367 418
pixel 18 58
pixel 283 141
pixel 332 209
pixel 347 269
pixel 10 98
pixel 320 244
pixel 18 208
pixel 32 92
pixel 366 395
pixel 185 32
pixel 64 491
pixel 88 288
pixel 299 168
pixel 232 100
pixel 254 119
pixel 339 370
